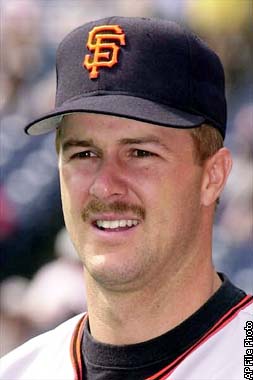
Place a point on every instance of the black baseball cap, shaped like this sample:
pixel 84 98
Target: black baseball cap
pixel 145 69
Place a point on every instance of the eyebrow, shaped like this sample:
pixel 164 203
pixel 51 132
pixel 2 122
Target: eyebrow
pixel 72 142
pixel 75 142
pixel 138 140
pixel 143 140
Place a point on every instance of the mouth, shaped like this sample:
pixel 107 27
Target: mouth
pixel 116 225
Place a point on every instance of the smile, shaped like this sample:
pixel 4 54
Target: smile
pixel 116 224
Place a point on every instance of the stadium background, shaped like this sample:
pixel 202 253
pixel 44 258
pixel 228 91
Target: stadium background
pixel 41 278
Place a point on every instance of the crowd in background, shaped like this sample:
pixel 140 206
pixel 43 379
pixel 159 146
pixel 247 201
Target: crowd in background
pixel 41 277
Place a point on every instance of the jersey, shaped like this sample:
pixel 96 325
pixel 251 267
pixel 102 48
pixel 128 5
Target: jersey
pixel 218 353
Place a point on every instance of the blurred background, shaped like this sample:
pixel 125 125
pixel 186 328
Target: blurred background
pixel 41 278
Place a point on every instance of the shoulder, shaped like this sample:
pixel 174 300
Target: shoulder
pixel 46 354
pixel 222 352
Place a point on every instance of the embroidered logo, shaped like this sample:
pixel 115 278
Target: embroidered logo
pixel 105 52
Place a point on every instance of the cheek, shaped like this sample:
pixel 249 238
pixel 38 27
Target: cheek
pixel 74 189
pixel 176 191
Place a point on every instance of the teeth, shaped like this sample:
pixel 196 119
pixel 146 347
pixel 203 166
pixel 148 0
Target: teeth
pixel 122 223
pixel 112 224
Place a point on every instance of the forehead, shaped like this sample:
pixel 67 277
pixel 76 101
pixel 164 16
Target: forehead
pixel 111 128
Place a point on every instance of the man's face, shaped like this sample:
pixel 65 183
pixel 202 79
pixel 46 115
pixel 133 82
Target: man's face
pixel 131 197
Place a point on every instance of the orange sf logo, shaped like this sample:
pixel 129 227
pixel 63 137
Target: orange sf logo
pixel 103 50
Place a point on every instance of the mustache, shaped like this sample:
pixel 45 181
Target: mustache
pixel 96 206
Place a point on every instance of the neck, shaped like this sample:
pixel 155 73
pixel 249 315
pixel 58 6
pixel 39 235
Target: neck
pixel 136 316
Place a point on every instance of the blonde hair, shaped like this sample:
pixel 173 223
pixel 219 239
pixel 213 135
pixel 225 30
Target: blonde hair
pixel 207 141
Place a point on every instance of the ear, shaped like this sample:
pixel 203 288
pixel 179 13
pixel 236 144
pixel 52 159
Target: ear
pixel 216 172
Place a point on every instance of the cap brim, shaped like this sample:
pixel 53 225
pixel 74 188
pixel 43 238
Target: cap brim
pixel 118 105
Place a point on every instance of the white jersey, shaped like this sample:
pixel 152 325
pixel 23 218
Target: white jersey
pixel 45 357
pixel 223 353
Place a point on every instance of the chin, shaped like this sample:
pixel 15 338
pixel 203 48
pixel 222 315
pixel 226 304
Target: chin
pixel 117 275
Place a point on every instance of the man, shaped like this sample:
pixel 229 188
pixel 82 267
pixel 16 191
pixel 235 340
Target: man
pixel 140 118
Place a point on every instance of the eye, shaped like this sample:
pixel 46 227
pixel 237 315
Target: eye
pixel 142 153
pixel 84 154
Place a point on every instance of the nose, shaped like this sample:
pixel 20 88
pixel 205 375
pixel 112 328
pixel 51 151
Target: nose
pixel 108 182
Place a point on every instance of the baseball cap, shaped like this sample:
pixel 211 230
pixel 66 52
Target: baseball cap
pixel 146 69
